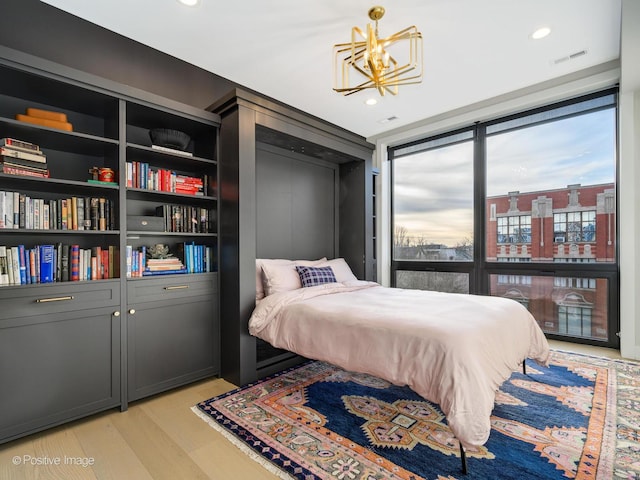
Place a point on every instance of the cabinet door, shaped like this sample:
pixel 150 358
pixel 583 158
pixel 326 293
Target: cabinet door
pixel 172 332
pixel 55 368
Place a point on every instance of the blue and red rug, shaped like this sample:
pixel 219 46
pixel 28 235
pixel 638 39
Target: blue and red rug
pixel 579 418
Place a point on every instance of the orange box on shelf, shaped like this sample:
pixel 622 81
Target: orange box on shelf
pixel 45 122
pixel 47 114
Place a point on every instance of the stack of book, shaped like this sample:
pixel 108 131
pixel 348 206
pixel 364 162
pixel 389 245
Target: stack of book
pixel 163 266
pixel 22 158
pixel 46 118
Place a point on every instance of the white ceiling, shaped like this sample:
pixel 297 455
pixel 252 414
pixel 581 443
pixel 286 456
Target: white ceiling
pixel 473 50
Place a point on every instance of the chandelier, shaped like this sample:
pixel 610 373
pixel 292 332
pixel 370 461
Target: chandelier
pixel 380 63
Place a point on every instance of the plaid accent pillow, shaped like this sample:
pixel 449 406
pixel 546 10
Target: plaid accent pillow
pixel 312 276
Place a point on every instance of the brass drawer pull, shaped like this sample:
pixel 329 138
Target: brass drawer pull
pixel 53 299
pixel 176 287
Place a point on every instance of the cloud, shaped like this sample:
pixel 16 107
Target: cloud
pixel 433 190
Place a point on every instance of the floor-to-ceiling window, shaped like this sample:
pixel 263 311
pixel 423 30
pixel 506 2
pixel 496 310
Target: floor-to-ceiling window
pixel 522 207
pixel 433 217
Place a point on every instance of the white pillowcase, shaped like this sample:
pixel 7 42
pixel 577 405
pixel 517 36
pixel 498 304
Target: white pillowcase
pixel 279 275
pixel 260 294
pixel 340 269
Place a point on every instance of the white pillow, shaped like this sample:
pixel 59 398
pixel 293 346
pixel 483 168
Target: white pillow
pixel 260 294
pixel 340 269
pixel 278 275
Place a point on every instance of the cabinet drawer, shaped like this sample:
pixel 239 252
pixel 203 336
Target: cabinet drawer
pixel 174 287
pixel 26 301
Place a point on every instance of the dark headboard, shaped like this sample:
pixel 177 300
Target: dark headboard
pixel 296 198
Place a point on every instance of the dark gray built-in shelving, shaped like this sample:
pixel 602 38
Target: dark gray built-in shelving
pixel 70 349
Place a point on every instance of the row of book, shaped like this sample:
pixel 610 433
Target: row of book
pixel 20 211
pixel 18 157
pixel 57 263
pixel 187 219
pixel 191 258
pixel 141 175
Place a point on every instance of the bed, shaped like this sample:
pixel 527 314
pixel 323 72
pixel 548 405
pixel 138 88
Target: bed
pixel 452 349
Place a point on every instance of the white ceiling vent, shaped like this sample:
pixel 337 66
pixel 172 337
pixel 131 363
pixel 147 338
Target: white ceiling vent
pixel 388 119
pixel 572 56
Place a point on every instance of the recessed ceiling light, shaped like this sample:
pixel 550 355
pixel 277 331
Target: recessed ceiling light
pixel 541 33
pixel 371 101
pixel 189 3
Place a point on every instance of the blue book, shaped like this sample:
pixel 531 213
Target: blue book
pixel 27 258
pixel 47 267
pixel 148 273
pixel 23 265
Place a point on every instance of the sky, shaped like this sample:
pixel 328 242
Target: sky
pixel 433 190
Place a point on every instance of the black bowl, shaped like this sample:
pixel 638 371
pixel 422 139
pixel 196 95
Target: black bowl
pixel 165 137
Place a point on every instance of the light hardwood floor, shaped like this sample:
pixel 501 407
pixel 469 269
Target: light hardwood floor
pixel 157 438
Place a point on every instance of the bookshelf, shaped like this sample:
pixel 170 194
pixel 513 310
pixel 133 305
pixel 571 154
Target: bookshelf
pixel 106 329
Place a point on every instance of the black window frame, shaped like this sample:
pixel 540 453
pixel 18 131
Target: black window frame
pixel 479 270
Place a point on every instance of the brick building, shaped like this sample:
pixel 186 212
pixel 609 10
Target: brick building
pixel 572 224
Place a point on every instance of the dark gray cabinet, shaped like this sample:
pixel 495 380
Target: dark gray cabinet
pixel 172 332
pixel 72 348
pixel 269 172
pixel 59 354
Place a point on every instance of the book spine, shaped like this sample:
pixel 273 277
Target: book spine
pixel 70 214
pixel 15 153
pixel 36 214
pixel 63 214
pixel 10 266
pixel 9 170
pixel 3 209
pixel 58 262
pixel 147 273
pixel 19 145
pixel 27 264
pixel 107 214
pixel 47 272
pixel 7 209
pixel 64 264
pixel 16 209
pixel 23 264
pixel 80 213
pixel 104 261
pixel 74 213
pixel 94 263
pixel 22 208
pixel 110 261
pixel 129 258
pixel 102 219
pixel 15 265
pixel 32 265
pixel 87 213
pixel 4 272
pixel 75 263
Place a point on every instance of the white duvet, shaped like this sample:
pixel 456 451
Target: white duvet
pixel 452 349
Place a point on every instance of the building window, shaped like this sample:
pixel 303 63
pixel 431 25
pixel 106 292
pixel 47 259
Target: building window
pixel 574 321
pixel 514 229
pixel 571 282
pixel 572 227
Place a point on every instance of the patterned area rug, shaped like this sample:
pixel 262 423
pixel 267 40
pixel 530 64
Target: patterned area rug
pixel 579 418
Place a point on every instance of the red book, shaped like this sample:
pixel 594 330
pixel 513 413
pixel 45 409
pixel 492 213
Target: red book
pixel 105 264
pixel 20 171
pixel 75 263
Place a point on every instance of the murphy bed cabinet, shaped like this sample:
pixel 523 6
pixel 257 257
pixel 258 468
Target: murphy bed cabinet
pixel 73 348
pixel 292 185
